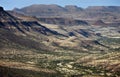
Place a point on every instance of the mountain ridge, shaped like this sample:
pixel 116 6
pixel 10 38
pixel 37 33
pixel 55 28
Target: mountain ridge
pixel 107 14
pixel 68 8
pixel 10 22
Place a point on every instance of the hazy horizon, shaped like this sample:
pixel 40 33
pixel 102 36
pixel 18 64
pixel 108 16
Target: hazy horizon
pixel 9 4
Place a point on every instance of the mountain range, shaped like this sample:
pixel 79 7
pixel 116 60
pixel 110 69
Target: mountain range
pixel 108 14
pixel 56 9
pixel 55 41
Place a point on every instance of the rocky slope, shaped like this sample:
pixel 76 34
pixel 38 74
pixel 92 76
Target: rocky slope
pixel 15 32
pixel 12 23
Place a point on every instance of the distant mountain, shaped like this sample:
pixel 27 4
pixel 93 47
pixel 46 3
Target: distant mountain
pixel 38 10
pixel 109 14
pixel 48 10
pixel 56 10
pixel 104 8
pixel 73 8
pixel 102 12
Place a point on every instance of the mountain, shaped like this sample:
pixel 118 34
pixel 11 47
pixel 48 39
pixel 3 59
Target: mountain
pixel 12 23
pixel 37 10
pixel 73 8
pixel 108 14
pixel 104 8
pixel 33 46
pixel 48 10
pixel 4 16
pixel 40 9
pixel 17 32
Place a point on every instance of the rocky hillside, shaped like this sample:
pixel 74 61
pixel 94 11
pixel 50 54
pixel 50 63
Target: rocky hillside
pixel 15 33
pixel 15 24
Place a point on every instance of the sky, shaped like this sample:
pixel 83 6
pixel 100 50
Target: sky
pixel 11 4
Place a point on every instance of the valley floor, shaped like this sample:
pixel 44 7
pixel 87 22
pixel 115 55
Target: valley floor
pixel 61 63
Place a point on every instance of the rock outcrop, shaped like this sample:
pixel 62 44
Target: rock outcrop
pixel 64 21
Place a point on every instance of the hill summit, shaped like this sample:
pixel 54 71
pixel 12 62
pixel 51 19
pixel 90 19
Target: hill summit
pixel 1 8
